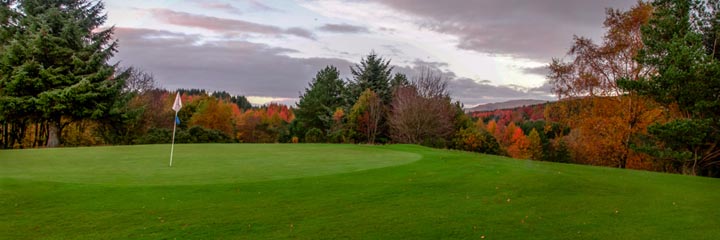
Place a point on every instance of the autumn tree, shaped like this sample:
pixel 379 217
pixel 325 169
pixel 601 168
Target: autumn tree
pixel 214 114
pixel 338 131
pixel 480 124
pixel 603 116
pixel 476 140
pixel 246 125
pixel 491 126
pixel 366 114
pixel 535 148
pixel 55 69
pixel 519 145
pixel 421 111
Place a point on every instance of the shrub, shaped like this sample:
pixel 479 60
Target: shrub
pixel 195 134
pixel 470 139
pixel 313 135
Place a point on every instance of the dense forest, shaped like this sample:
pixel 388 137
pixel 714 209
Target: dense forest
pixel 647 96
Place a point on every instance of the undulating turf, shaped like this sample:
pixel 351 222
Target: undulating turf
pixel 255 191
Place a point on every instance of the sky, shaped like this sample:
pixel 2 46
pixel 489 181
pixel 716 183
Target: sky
pixel 269 51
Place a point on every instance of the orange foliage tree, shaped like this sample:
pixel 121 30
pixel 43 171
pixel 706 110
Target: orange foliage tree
pixel 535 151
pixel 214 114
pixel 519 144
pixel 603 117
pixel 265 124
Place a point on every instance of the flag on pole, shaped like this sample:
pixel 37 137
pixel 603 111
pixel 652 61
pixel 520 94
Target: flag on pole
pixel 176 106
pixel 178 103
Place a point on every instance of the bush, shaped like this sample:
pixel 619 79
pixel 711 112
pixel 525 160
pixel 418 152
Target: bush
pixel 434 142
pixel 557 151
pixel 470 139
pixel 313 135
pixel 337 136
pixel 195 134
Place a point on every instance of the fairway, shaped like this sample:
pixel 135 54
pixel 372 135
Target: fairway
pixel 311 191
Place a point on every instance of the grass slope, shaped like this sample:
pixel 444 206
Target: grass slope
pixel 247 191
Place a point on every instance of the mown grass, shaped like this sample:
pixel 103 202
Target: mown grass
pixel 255 191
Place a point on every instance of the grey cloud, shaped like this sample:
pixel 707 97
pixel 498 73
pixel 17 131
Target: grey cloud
pixel 542 70
pixel 343 28
pixel 537 30
pixel 546 88
pixel 216 5
pixel 239 67
pixel 258 6
pixel 394 50
pixel 431 64
pixel 224 25
pixel 387 30
pixel 300 32
pixel 254 5
pixel 184 61
pixel 472 92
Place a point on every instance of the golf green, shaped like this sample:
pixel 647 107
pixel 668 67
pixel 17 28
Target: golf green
pixel 194 164
pixel 325 191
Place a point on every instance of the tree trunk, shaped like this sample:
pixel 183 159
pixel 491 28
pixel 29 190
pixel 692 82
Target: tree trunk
pixel 53 134
pixel 5 135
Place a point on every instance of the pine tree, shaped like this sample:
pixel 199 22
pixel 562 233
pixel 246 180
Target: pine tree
pixel 54 67
pixel 399 80
pixel 681 43
pixel 319 102
pixel 372 73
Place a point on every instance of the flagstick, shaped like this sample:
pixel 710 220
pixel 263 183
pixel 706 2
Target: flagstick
pixel 172 147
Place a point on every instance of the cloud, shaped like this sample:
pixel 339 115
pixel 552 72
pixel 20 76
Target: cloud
pixel 258 6
pixel 541 70
pixel 222 6
pixel 536 30
pixel 343 28
pixel 393 50
pixel 472 92
pixel 224 25
pixel 252 69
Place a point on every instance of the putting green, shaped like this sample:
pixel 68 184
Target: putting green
pixel 229 163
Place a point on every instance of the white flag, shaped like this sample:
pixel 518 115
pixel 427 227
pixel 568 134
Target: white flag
pixel 178 103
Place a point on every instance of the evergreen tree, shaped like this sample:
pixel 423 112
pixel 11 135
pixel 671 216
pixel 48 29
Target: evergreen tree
pixel 54 66
pixel 372 73
pixel 319 102
pixel 240 101
pixel 680 44
pixel 399 80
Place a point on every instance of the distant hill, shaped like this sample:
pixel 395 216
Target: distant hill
pixel 504 105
